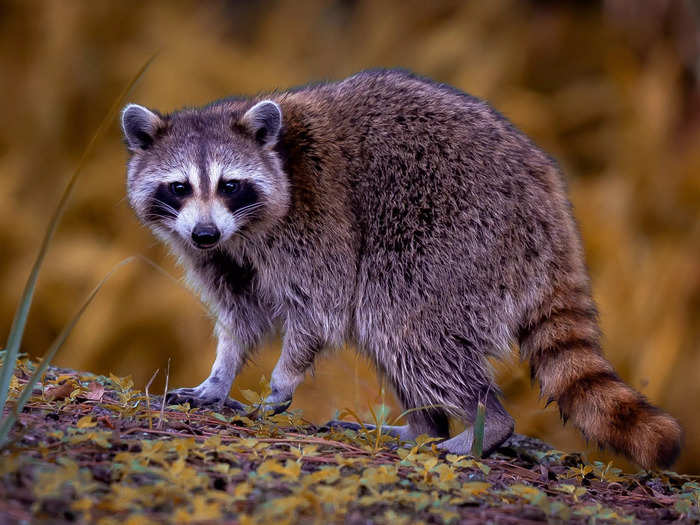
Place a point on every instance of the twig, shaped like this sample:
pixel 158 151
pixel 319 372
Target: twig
pixel 314 441
pixel 148 398
pixel 165 394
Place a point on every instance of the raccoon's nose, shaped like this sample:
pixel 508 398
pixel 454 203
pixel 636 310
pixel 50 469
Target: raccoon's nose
pixel 205 235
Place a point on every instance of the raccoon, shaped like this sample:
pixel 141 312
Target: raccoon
pixel 400 216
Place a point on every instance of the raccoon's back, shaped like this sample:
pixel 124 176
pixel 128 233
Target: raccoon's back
pixel 458 211
pixel 440 164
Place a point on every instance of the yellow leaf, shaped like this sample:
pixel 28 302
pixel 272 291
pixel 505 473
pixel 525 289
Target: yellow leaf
pixel 242 490
pixel 287 504
pixel 124 383
pixel 81 505
pixel 475 488
pixel 123 457
pixel 86 422
pixel 424 439
pixel 213 442
pixel 403 453
pixel 252 397
pixel 244 519
pixel 50 482
pixel 14 383
pixel 183 446
pixel 532 494
pixel 204 510
pixel 343 461
pixel 327 475
pixel 99 438
pixel 379 476
pixel 338 497
pixel 291 469
pixel 154 451
pixel 430 463
pixel 250 443
pixel 445 472
pixel 77 391
pixel 309 450
pixel 181 515
pixel 264 386
pixel 222 468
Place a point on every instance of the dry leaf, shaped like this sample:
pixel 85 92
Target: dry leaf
pixel 96 391
pixel 86 422
pixel 53 393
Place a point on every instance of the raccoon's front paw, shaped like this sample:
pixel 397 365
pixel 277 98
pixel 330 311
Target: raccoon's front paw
pixel 278 400
pixel 202 396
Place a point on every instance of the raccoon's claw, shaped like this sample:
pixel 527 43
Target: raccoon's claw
pixel 277 408
pixel 277 402
pixel 197 398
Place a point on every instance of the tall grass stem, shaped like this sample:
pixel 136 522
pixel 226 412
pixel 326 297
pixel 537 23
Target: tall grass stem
pixel 19 321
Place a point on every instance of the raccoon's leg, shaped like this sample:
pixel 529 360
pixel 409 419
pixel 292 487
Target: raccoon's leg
pixel 430 421
pixel 214 389
pixel 236 338
pixel 498 426
pixel 298 353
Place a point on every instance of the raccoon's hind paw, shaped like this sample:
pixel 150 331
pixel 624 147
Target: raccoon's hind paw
pixel 494 436
pixel 198 397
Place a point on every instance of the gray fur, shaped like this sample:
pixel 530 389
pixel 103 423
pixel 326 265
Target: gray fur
pixel 395 214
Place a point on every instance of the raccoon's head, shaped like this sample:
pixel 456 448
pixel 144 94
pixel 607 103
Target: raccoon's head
pixel 199 176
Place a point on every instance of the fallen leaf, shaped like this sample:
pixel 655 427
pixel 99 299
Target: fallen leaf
pixel 291 469
pixel 475 488
pixel 252 397
pixel 96 391
pixel 54 393
pixel 86 422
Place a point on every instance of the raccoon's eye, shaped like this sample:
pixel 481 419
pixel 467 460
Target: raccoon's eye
pixel 230 186
pixel 180 189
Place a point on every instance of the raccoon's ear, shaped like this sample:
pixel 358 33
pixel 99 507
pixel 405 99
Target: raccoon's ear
pixel 140 126
pixel 264 121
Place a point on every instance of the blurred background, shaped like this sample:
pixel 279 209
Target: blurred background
pixel 610 88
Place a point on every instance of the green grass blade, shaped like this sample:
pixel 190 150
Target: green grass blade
pixel 416 409
pixel 479 423
pixel 20 320
pixel 11 417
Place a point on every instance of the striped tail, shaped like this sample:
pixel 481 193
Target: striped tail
pixel 562 343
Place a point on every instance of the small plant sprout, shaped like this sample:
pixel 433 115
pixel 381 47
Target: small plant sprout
pixel 479 422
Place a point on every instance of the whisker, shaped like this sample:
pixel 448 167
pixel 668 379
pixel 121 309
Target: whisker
pixel 249 207
pixel 165 207
pixel 246 211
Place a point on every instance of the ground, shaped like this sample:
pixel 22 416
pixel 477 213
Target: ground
pixel 93 449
